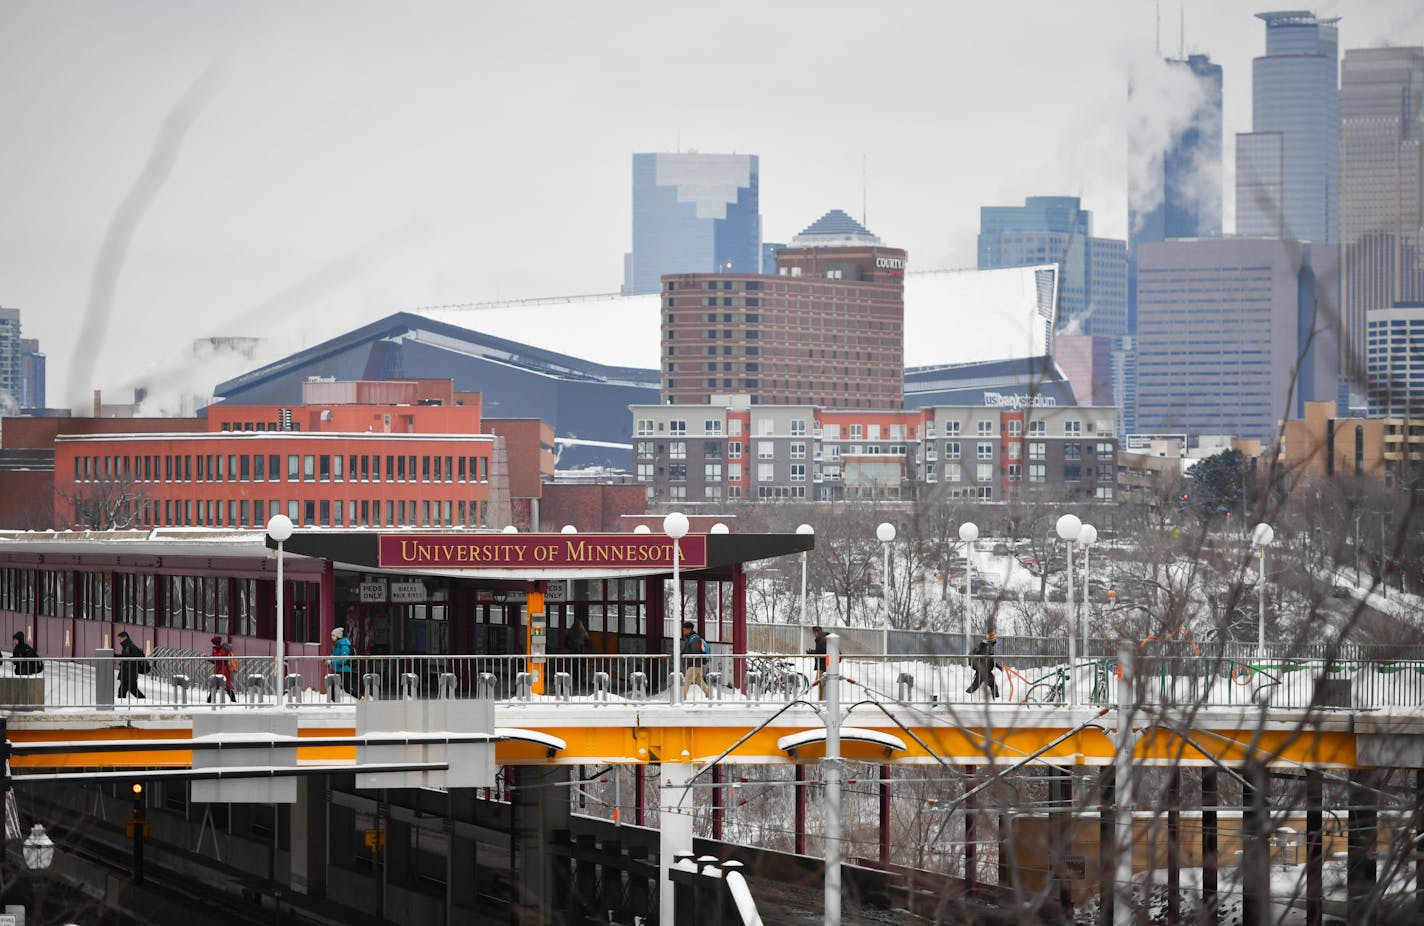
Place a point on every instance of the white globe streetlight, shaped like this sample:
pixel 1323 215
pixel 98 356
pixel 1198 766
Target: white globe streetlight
pixel 1087 536
pixel 279 528
pixel 804 529
pixel 719 528
pixel 885 533
pixel 568 529
pixel 510 529
pixel 1262 536
pixel 675 526
pixel 968 532
pixel 1068 528
pixel 642 529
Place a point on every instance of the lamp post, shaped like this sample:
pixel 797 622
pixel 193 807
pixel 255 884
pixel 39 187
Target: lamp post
pixel 675 526
pixel 38 849
pixel 279 528
pixel 1262 536
pixel 1087 536
pixel 968 532
pixel 1068 528
pixel 885 533
pixel 804 529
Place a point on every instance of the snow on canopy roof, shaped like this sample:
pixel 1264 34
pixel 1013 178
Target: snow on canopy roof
pixel 858 734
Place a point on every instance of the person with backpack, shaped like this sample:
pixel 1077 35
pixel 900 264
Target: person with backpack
pixel 132 663
pixel 818 649
pixel 694 657
pixel 983 664
pixel 27 660
pixel 224 664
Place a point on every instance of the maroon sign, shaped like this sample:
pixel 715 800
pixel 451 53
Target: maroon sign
pixel 539 551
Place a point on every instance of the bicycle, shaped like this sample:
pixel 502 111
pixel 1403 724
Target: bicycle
pixel 1050 689
pixel 779 676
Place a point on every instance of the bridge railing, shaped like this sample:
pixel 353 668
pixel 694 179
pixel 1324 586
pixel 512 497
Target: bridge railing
pixel 1284 677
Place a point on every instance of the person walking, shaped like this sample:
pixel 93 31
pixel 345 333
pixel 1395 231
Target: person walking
pixel 224 664
pixel 132 663
pixel 340 662
pixel 27 660
pixel 983 664
pixel 818 649
pixel 694 657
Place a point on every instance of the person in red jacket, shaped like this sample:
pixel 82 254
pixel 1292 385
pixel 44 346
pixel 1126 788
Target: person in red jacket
pixel 223 664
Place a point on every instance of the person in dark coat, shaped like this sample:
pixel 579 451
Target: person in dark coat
pixel 27 660
pixel 982 661
pixel 130 658
pixel 222 665
pixel 818 649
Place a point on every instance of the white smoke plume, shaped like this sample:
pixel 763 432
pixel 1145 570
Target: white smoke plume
pixel 1165 100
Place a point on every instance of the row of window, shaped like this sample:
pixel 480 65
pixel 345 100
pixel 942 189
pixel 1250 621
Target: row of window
pixel 254 513
pixel 209 603
pixel 831 431
pixel 268 468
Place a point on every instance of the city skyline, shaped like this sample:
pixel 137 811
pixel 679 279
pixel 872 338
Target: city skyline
pixel 320 169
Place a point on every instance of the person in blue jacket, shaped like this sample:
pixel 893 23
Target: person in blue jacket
pixel 340 662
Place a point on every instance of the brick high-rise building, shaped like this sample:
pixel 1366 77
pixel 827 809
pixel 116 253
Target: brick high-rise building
pixel 826 330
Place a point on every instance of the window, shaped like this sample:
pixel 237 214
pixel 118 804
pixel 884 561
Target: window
pixel 798 450
pixel 712 472
pixel 766 450
pixel 677 426
pixel 734 427
pixel 1105 451
pixel 1072 450
pixel 1015 472
pixel 711 450
pixel 1037 472
pixel 952 472
pixel 873 433
pixel 677 450
pixel 1105 474
pixel 644 447
pixel 734 472
pixel 294 468
pixel 1072 472
pixel 1015 427
pixel 984 428
pixel 857 432
pixel 1103 493
pixel 831 431
pixel 734 450
pixel 1037 450
pixel 765 427
pixel 1072 427
pixel 897 432
pixel 798 472
pixel 645 472
pixel 1015 450
pixel 765 472
pixel 984 472
pixel 951 450
pixel 1037 426
pixel 798 427
pixel 712 426
pixel 984 451
pixel 951 429
pixel 644 427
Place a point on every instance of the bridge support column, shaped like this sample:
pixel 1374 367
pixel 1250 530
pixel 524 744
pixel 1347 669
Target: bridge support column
pixel 640 795
pixel 1060 801
pixel 799 827
pixel 1107 843
pixel 885 772
pixel 308 837
pixel 717 806
pixel 1419 842
pixel 1315 848
pixel 1255 846
pixel 1174 846
pixel 675 830
pixel 1210 799
pixel 539 807
pixel 971 810
pixel 1360 865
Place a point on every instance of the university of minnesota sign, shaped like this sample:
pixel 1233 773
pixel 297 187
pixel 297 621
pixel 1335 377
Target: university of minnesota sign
pixel 539 551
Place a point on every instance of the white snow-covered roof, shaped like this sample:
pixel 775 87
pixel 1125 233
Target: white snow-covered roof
pixel 856 734
pixel 951 316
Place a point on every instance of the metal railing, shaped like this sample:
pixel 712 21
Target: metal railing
pixel 1278 677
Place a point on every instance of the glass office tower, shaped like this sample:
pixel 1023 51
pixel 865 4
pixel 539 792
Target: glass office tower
pixel 692 213
pixel 1288 165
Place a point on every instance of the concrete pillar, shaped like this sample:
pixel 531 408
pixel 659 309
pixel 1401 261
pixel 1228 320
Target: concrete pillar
pixel 1315 848
pixel 1060 802
pixel 1209 802
pixel 717 813
pixel 1174 846
pixel 675 803
pixel 1255 847
pixel 539 807
pixel 1360 865
pixel 308 837
pixel 885 772
pixel 799 826
pixel 971 810
pixel 1107 844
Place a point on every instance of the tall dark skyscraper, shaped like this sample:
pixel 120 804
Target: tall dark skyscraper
pixel 692 213
pixel 1381 193
pixel 1288 165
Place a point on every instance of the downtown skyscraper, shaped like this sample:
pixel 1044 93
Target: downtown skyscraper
pixel 1381 207
pixel 692 213
pixel 1288 165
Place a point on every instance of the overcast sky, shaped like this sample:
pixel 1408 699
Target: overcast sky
pixel 175 170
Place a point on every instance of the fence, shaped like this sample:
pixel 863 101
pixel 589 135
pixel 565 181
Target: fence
pixel 1282 676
